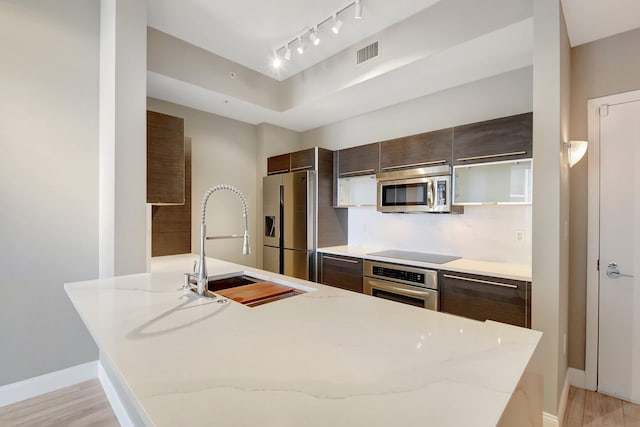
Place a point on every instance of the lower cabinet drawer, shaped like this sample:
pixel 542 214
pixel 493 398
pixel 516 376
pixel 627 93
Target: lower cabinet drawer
pixel 342 272
pixel 486 298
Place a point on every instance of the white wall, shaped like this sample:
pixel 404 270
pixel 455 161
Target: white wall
pixel 494 227
pixel 223 151
pixel 482 232
pixel 48 181
pixel 550 194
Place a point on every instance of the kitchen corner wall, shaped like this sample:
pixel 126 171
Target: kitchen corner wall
pixel 48 181
pixel 485 232
pixel 223 151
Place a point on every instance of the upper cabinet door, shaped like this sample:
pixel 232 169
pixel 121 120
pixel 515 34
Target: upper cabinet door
pixel 278 164
pixel 361 160
pixel 303 160
pixel 506 138
pixel 425 149
pixel 165 159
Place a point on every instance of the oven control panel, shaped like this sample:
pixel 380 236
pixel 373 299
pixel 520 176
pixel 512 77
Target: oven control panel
pixel 402 274
pixel 392 273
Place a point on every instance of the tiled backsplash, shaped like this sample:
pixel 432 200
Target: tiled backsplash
pixel 492 233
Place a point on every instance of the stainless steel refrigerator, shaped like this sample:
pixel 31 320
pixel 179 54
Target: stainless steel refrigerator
pixel 290 224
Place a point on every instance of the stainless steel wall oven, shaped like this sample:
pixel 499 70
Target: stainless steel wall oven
pixel 401 283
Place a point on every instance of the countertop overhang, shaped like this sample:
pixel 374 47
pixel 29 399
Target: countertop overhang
pixel 326 357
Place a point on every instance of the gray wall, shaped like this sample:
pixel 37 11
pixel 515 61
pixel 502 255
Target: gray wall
pixel 48 181
pixel 223 151
pixel 600 68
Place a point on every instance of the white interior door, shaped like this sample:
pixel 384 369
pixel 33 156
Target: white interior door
pixel 619 291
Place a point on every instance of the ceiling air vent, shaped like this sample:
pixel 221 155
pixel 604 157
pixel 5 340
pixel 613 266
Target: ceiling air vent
pixel 367 53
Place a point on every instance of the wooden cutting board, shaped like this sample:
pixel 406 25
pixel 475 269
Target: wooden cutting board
pixel 248 294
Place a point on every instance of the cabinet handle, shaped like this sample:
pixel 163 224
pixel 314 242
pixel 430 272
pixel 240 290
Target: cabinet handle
pixel 435 162
pixel 351 261
pixel 485 282
pixel 301 168
pixel 278 171
pixel 491 156
pixel 360 172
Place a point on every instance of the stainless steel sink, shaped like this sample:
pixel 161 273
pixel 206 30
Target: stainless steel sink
pixel 218 283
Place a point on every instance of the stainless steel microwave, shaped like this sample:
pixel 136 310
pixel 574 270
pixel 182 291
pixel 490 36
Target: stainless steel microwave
pixel 425 189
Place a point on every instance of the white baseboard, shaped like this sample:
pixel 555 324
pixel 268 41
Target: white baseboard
pixel 114 399
pixel 32 387
pixel 549 420
pixel 577 378
pixel 564 395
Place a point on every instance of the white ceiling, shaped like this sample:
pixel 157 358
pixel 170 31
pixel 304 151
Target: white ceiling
pixel 589 20
pixel 247 31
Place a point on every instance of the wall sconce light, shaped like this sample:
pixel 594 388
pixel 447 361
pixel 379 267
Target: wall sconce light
pixel 576 150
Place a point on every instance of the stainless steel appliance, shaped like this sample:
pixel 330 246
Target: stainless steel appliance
pixel 401 283
pixel 290 224
pixel 425 189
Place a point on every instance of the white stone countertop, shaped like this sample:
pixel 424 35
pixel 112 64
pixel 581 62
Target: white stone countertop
pixel 505 270
pixel 328 357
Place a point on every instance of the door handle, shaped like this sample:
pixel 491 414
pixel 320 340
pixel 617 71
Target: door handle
pixel 613 272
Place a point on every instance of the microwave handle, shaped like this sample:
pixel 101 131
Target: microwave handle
pixel 430 193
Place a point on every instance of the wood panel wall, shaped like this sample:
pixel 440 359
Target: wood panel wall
pixel 171 225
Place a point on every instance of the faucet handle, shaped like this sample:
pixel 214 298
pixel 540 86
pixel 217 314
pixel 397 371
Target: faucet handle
pixel 195 264
pixel 186 282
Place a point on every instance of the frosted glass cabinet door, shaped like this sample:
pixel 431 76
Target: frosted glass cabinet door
pixel 493 183
pixel 357 191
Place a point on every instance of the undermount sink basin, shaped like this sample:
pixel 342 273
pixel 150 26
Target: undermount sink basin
pixel 219 283
pixel 248 290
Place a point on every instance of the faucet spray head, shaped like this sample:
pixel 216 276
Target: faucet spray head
pixel 246 249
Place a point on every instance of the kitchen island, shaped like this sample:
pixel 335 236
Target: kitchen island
pixel 327 357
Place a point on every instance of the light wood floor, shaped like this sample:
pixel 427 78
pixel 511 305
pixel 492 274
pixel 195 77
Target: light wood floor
pixel 83 404
pixel 588 408
pixel 86 405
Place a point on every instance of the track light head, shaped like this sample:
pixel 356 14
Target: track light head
pixel 300 47
pixel 337 24
pixel 314 36
pixel 358 10
pixel 287 53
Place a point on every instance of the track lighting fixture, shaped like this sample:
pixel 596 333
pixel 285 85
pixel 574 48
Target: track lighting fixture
pixel 314 37
pixel 312 33
pixel 337 24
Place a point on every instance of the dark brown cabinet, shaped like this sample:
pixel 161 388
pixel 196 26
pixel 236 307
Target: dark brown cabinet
pixel 486 298
pixel 342 272
pixel 165 159
pixel 361 160
pixel 279 164
pixel 506 138
pixel 425 149
pixel 303 160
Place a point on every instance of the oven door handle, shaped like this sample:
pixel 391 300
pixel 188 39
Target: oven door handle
pixel 399 290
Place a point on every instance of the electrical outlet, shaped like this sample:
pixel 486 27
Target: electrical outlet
pixel 519 235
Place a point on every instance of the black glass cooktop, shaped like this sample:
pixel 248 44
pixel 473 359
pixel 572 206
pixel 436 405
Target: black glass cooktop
pixel 416 256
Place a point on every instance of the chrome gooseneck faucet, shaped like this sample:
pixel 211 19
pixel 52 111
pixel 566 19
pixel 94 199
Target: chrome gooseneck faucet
pixel 202 265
